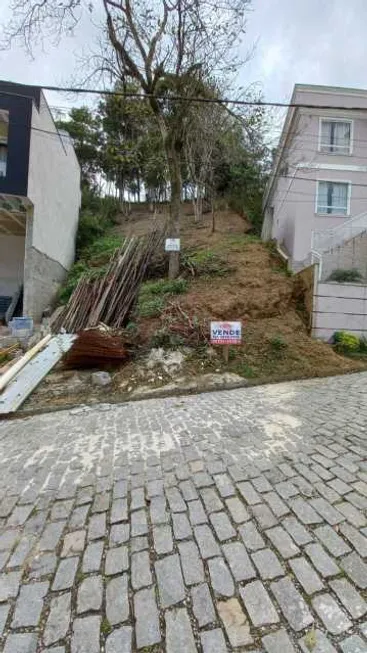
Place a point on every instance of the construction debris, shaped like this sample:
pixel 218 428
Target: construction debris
pixel 7 353
pixel 95 349
pixel 192 330
pixel 111 298
pixel 28 378
pixel 22 362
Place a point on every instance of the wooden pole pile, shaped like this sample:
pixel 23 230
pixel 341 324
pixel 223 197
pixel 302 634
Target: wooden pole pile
pixel 111 298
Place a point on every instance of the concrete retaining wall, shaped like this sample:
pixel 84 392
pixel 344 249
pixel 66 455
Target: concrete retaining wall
pixel 43 283
pixel 339 307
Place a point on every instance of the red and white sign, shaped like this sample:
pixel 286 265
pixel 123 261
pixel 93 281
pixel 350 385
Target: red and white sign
pixel 226 333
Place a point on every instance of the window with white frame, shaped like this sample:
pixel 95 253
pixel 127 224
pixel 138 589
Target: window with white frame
pixel 335 136
pixel 333 197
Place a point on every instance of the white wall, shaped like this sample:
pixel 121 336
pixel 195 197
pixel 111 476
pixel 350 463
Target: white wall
pixel 339 307
pixel 11 263
pixel 54 189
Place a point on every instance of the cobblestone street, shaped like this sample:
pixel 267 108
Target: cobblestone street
pixel 230 521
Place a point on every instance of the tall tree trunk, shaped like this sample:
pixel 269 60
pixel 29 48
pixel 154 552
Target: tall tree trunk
pixel 213 215
pixel 175 210
pixel 138 185
pixel 173 153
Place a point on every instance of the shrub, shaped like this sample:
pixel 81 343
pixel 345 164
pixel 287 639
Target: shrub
pixel 107 208
pixel 242 369
pixel 167 339
pixel 205 263
pixel 278 344
pixel 345 276
pixel 90 228
pixel 363 345
pixel 346 342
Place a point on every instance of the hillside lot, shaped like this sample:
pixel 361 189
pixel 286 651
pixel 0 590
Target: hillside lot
pixel 228 275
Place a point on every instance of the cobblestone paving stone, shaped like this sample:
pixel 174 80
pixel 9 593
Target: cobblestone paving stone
pixel 230 521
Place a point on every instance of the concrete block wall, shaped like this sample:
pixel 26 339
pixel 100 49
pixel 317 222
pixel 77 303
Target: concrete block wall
pixel 41 289
pixel 339 307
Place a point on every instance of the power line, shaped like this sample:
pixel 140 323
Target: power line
pixel 182 98
pixel 310 179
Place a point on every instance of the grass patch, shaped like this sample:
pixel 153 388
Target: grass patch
pixel 205 262
pixel 102 249
pixel 243 369
pixel 106 627
pixel 165 287
pixel 277 345
pixel 150 307
pixel 243 239
pixel 154 294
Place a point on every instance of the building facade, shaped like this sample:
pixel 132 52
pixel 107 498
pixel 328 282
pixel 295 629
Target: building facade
pixel 318 182
pixel 39 200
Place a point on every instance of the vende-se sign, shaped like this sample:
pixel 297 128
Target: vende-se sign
pixel 226 333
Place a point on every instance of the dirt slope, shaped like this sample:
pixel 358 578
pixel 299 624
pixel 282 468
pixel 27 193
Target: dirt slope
pixel 257 291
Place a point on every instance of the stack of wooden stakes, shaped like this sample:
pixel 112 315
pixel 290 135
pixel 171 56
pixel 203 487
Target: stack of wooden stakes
pixel 110 299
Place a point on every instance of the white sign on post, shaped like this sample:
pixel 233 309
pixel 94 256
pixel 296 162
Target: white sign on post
pixel 173 245
pixel 226 333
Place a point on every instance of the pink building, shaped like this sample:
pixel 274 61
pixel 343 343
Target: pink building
pixel 318 187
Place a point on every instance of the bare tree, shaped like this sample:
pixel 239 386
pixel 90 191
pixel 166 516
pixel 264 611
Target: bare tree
pixel 163 45
pixel 207 122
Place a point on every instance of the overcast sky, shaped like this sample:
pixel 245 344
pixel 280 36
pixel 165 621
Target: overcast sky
pixel 305 41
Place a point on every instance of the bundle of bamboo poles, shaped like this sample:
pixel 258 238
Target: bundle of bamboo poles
pixel 111 298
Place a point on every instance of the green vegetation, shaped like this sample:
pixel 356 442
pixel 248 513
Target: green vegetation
pixel 346 276
pixel 278 344
pixel 106 627
pixel 154 294
pixel 205 262
pixel 243 369
pixel 244 239
pixel 93 261
pixel 95 244
pixel 347 343
pixel 165 287
pixel 101 250
pixel 97 216
pixel 167 339
pixel 150 306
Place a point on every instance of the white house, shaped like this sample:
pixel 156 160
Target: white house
pixel 39 201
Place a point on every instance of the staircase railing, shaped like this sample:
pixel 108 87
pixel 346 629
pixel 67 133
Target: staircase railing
pixel 327 239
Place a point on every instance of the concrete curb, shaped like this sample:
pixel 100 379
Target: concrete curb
pixel 161 393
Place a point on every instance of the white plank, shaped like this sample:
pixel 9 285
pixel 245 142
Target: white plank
pixel 32 374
